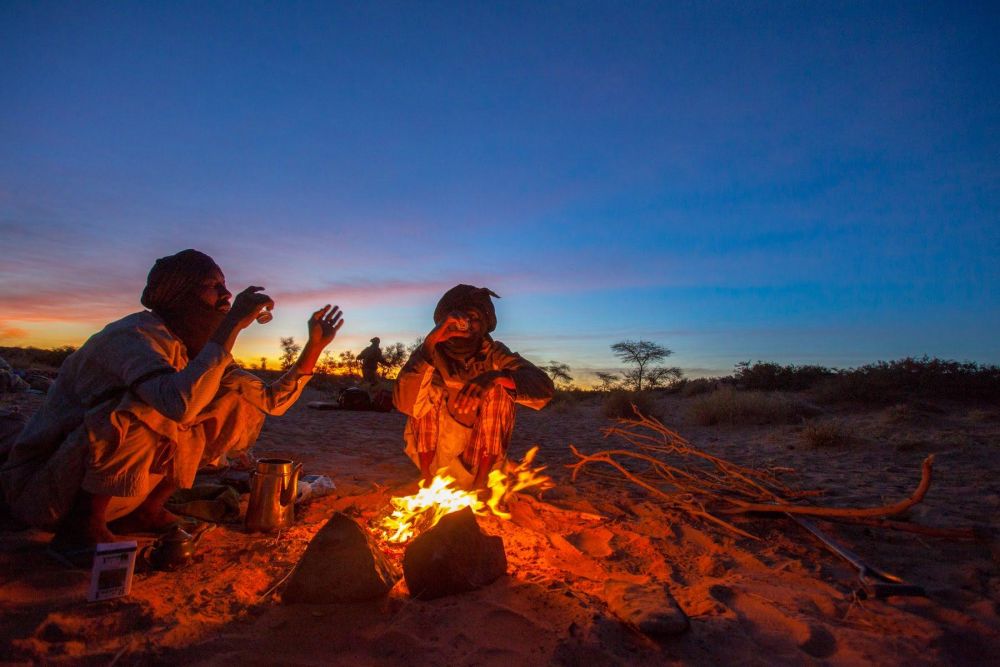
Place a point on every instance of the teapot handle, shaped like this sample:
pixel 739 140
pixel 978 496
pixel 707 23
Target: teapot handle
pixel 289 492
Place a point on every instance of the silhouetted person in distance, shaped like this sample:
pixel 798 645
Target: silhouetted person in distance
pixel 459 389
pixel 144 403
pixel 370 358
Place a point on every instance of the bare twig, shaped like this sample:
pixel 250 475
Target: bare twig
pixel 845 512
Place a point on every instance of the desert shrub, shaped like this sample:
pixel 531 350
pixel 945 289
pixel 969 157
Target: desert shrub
pixel 618 405
pixel 769 376
pixel 982 416
pixel 735 407
pixel 24 358
pixel 899 413
pixel 699 386
pixel 825 434
pixel 565 400
pixel 908 379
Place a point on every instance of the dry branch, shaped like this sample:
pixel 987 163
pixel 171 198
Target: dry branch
pixel 704 486
pixel 846 512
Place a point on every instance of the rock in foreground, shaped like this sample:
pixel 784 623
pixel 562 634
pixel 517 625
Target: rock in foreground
pixel 454 556
pixel 341 564
pixel 649 608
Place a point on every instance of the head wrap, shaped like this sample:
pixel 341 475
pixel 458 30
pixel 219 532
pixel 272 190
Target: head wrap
pixel 464 297
pixel 174 276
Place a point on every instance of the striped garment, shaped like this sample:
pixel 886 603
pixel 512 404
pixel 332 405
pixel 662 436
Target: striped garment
pixel 490 433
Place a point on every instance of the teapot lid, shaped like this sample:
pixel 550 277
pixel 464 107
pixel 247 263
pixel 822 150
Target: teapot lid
pixel 176 534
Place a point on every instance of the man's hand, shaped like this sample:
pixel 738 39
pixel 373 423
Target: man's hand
pixel 449 328
pixel 242 313
pixel 324 325
pixel 247 305
pixel 471 395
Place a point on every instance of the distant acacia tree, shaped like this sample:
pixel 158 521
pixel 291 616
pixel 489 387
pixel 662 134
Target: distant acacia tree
pixel 326 364
pixel 414 346
pixel 263 363
pixel 642 355
pixel 349 363
pixel 559 374
pixel 395 356
pixel 289 352
pixel 608 381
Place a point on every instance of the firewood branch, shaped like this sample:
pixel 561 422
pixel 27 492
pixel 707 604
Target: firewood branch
pixel 707 487
pixel 845 512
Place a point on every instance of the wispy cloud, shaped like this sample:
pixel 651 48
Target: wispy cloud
pixel 11 332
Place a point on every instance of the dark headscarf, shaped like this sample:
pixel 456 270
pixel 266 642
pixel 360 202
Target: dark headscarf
pixel 464 297
pixel 174 276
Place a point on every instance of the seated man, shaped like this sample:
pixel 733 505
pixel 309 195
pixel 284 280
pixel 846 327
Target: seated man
pixel 459 389
pixel 144 402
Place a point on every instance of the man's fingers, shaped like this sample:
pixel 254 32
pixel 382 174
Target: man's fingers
pixel 468 398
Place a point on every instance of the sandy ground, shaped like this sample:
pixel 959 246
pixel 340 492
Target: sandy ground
pixel 779 600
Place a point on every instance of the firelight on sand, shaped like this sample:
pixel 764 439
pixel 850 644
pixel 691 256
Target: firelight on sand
pixel 422 510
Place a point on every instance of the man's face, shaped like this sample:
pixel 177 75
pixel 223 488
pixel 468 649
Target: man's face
pixel 477 326
pixel 211 292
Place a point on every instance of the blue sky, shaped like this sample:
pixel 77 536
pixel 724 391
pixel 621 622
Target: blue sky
pixel 798 182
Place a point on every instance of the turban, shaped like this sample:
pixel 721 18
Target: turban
pixel 174 276
pixel 464 297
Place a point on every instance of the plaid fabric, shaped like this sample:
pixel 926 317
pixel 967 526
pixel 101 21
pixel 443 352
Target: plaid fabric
pixel 490 434
pixel 426 429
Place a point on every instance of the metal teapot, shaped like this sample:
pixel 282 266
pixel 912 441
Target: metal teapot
pixel 172 550
pixel 273 487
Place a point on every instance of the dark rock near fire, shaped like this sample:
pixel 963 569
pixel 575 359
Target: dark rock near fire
pixel 341 564
pixel 648 607
pixel 454 556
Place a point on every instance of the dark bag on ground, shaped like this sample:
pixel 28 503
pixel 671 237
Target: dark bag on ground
pixel 354 398
pixel 382 400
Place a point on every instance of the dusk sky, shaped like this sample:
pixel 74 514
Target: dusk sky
pixel 802 182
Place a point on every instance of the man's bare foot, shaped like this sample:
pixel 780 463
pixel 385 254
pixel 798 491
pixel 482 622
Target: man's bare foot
pixel 72 535
pixel 144 520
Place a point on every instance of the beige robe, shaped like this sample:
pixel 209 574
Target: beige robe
pixel 128 409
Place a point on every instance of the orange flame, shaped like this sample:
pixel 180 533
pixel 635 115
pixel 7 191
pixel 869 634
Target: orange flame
pixel 414 514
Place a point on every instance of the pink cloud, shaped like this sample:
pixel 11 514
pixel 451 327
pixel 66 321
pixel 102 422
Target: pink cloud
pixel 88 304
pixel 11 332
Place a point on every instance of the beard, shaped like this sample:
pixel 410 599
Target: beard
pixel 193 324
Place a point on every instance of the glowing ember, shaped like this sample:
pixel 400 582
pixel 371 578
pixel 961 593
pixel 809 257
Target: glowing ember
pixel 414 514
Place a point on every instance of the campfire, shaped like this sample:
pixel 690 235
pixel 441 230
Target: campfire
pixel 412 515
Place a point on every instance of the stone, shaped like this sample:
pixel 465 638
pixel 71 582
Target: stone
pixel 341 564
pixel 650 608
pixel 454 556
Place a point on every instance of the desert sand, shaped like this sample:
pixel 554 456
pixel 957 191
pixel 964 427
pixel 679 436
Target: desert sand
pixel 782 599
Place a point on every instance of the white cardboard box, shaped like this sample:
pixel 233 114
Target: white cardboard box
pixel 111 576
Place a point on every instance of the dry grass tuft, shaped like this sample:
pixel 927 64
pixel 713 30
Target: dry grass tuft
pixel 982 416
pixel 824 434
pixel 699 386
pixel 733 407
pixel 618 405
pixel 898 414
